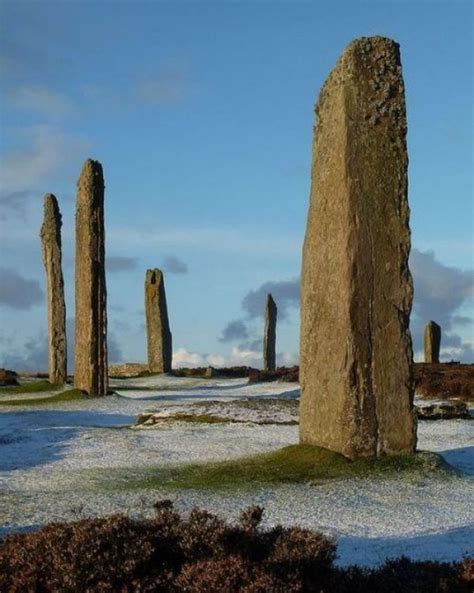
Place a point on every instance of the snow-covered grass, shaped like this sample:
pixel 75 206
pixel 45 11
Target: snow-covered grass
pixel 65 460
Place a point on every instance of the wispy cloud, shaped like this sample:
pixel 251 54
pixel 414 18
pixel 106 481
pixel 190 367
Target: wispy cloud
pixel 118 263
pixel 41 100
pixel 18 292
pixel 167 86
pixel 223 239
pixel 174 265
pixel 46 155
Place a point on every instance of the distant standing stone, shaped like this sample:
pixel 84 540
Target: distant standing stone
pixel 90 365
pixel 158 330
pixel 51 248
pixel 356 294
pixel 269 336
pixel 432 339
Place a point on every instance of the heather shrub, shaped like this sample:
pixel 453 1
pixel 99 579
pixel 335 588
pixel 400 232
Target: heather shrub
pixel 201 553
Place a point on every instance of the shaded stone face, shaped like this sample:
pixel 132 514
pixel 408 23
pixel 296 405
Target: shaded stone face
pixel 157 324
pixel 51 249
pixel 356 292
pixel 432 341
pixel 269 336
pixel 90 364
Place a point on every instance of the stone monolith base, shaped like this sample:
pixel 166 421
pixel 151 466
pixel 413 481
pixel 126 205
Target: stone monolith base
pixel 356 293
pixel 432 342
pixel 269 336
pixel 90 364
pixel 159 338
pixel 51 248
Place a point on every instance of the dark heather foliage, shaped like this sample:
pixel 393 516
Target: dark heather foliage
pixel 202 554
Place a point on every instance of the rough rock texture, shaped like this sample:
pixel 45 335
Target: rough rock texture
pixel 356 293
pixel 157 324
pixel 269 336
pixel 432 341
pixel 90 365
pixel 127 369
pixel 51 247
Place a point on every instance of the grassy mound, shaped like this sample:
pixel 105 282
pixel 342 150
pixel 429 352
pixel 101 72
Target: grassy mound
pixel 33 387
pixel 295 463
pixel 65 396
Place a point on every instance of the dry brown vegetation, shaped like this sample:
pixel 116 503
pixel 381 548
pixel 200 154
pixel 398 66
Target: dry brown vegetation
pixel 445 381
pixel 202 554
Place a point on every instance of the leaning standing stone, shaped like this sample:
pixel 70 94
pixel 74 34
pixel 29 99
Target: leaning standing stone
pixel 157 323
pixel 51 248
pixel 269 336
pixel 356 294
pixel 432 339
pixel 90 365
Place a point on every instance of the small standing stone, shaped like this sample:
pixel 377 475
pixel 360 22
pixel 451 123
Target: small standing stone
pixel 158 330
pixel 51 248
pixel 90 364
pixel 432 339
pixel 357 291
pixel 269 336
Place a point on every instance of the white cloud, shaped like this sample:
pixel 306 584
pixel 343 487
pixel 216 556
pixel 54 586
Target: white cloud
pixel 183 358
pixel 46 156
pixel 167 86
pixel 223 239
pixel 237 357
pixel 42 100
pixel 46 153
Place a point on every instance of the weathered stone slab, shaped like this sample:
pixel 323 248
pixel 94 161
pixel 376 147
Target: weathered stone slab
pixel 432 342
pixel 90 364
pixel 52 259
pixel 159 338
pixel 269 336
pixel 356 294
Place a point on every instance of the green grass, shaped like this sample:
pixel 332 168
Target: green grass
pixel 198 418
pixel 214 419
pixel 64 396
pixel 33 387
pixel 292 464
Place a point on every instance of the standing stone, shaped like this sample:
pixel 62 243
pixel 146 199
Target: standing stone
pixel 90 365
pixel 269 337
pixel 432 339
pixel 157 323
pixel 51 247
pixel 356 292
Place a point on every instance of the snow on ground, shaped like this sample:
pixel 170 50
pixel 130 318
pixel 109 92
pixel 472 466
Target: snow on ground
pixel 53 460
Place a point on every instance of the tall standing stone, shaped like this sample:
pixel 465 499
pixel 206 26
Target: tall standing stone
pixel 51 248
pixel 90 365
pixel 432 342
pixel 269 336
pixel 157 324
pixel 356 293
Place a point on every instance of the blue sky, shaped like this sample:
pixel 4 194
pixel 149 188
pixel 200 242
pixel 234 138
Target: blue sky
pixel 201 114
